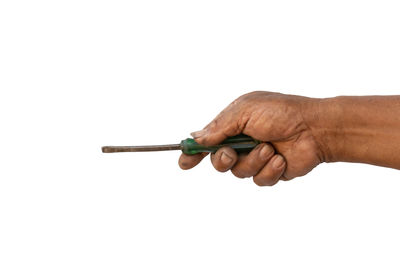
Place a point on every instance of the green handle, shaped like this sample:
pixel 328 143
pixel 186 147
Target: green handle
pixel 241 143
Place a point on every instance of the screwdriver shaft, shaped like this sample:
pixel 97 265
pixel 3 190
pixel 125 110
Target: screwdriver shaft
pixel 144 148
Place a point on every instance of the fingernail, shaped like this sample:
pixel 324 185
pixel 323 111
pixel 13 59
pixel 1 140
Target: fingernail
pixel 225 158
pixel 198 134
pixel 278 162
pixel 266 152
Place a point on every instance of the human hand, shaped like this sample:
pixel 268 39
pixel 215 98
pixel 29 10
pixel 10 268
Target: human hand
pixel 289 147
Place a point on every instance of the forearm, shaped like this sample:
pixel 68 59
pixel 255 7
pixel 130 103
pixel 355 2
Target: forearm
pixel 358 129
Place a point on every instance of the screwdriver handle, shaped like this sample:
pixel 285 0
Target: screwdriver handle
pixel 240 143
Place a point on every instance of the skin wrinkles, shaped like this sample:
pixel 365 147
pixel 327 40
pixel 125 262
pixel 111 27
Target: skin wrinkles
pixel 300 132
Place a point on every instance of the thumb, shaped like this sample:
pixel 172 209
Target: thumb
pixel 226 124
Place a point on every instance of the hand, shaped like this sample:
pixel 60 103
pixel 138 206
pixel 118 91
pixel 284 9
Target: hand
pixel 289 148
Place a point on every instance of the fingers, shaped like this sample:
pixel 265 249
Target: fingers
pixel 261 163
pixel 189 161
pixel 272 171
pixel 224 159
pixel 249 165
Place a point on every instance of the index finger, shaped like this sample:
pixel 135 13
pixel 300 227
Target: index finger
pixel 187 162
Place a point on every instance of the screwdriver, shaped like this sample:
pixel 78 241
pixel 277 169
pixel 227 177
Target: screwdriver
pixel 240 143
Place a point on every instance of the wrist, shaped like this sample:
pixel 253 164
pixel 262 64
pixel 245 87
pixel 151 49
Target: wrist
pixel 362 129
pixel 324 119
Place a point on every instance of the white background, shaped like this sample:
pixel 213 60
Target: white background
pixel 76 75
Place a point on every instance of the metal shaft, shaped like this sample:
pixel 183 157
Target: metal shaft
pixel 144 148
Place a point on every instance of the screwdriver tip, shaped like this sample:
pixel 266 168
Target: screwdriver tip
pixel 106 149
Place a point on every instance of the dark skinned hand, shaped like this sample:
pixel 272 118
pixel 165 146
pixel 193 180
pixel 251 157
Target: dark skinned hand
pixel 298 133
pixel 289 148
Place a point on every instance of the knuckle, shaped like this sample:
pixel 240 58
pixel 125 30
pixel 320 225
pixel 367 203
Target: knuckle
pixel 259 182
pixel 270 183
pixel 285 178
pixel 248 172
pixel 213 125
pixel 238 173
pixel 244 170
pixel 251 162
pixel 252 93
pixel 265 152
pixel 268 150
pixel 264 181
pixel 244 97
